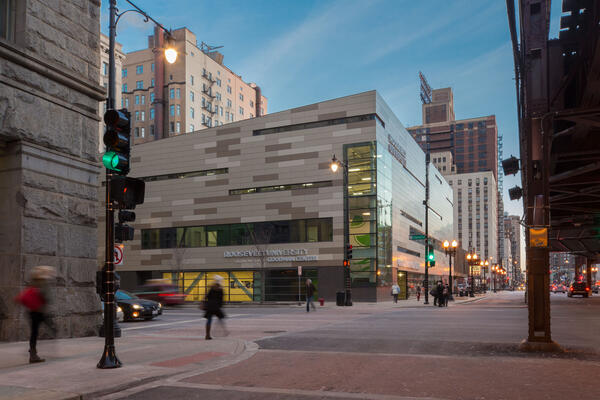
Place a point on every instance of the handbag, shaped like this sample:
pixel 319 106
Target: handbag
pixel 31 298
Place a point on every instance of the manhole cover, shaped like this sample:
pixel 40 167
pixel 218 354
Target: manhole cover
pixel 273 331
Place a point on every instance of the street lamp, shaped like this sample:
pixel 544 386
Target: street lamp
pixel 335 165
pixel 471 260
pixel 450 250
pixel 484 265
pixel 109 357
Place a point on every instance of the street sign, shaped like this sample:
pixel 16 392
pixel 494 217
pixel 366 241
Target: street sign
pixel 538 237
pixel 118 257
pixel 417 237
pixel 299 270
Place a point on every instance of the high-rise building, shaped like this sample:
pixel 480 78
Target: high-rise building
pixel 475 212
pixel 460 148
pixel 562 267
pixel 103 79
pixel 512 231
pixel 197 91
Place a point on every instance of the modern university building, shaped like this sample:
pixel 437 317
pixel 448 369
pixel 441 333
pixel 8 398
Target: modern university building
pixel 257 198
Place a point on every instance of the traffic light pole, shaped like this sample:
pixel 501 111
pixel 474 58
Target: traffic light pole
pixel 109 357
pixel 426 203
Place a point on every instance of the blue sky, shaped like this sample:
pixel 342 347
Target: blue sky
pixel 302 52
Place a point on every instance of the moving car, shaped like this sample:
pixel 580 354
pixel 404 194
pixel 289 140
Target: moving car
pixel 135 308
pixel 119 313
pixel 578 288
pixel 558 288
pixel 162 291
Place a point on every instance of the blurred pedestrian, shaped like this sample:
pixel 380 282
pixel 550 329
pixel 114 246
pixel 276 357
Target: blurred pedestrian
pixel 395 292
pixel 36 299
pixel 212 306
pixel 439 290
pixel 310 291
pixel 446 294
pixel 418 293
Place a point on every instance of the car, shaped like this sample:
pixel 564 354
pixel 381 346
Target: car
pixel 119 312
pixel 579 288
pixel 595 289
pixel 162 292
pixel 558 288
pixel 135 308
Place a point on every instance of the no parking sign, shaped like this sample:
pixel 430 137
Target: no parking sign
pixel 118 256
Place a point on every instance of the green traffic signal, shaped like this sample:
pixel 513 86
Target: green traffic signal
pixel 115 161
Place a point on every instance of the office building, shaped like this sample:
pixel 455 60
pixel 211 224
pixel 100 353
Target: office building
pixel 196 92
pixel 512 231
pixel 257 198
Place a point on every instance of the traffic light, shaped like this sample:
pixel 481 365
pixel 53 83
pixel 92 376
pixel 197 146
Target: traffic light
pixel 127 192
pixel 349 252
pixel 124 232
pixel 431 258
pixel 346 263
pixel 117 139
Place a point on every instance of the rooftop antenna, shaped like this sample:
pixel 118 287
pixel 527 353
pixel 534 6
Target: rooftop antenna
pixel 425 89
pixel 206 48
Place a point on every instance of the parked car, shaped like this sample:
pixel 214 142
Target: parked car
pixel 162 292
pixel 578 288
pixel 135 308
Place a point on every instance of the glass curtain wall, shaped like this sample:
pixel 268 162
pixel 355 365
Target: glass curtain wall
pixel 362 211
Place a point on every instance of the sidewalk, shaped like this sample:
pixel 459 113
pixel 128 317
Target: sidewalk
pixel 70 369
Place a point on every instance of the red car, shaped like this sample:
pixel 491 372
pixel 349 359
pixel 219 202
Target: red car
pixel 162 292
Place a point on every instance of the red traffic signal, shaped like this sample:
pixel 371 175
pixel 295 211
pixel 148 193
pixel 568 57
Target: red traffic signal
pixel 346 263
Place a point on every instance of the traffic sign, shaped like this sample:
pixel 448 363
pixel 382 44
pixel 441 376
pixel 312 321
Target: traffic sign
pixel 417 237
pixel 299 270
pixel 118 257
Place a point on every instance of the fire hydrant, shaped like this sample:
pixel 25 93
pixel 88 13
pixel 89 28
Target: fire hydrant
pixel 321 301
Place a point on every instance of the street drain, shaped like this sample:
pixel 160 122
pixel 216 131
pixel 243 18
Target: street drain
pixel 274 331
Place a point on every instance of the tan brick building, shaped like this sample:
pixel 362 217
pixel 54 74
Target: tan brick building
pixel 257 198
pixel 198 90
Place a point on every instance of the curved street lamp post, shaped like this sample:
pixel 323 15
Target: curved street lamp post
pixel 450 250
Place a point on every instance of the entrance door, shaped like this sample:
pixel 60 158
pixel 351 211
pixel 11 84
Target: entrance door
pixel 403 284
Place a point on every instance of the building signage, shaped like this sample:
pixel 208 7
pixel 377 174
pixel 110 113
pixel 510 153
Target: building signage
pixel 274 255
pixel 396 150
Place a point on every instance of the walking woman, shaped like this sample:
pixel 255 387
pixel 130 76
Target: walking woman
pixel 212 306
pixel 36 299
pixel 310 291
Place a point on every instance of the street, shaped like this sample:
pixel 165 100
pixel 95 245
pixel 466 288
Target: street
pixel 389 351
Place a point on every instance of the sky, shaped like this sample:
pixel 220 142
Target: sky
pixel 306 51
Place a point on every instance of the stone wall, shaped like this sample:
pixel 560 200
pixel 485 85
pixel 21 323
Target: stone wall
pixel 49 168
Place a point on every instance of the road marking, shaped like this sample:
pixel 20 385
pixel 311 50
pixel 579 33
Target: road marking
pixel 172 323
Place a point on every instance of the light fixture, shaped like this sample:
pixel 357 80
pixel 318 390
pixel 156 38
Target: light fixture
pixel 510 166
pixel 454 244
pixel 515 193
pixel 335 164
pixel 171 55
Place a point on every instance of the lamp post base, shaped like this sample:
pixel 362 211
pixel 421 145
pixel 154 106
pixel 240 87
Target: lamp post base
pixel 109 358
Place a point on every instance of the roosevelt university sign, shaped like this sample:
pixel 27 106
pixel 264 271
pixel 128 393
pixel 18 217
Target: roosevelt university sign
pixel 274 255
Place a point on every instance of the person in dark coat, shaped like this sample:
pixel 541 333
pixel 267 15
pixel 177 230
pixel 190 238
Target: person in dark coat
pixel 213 304
pixel 439 294
pixel 310 292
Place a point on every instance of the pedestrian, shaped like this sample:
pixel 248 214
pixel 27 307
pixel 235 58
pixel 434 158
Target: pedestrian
pixel 434 294
pixel 395 292
pixel 439 290
pixel 36 299
pixel 418 292
pixel 310 291
pixel 446 294
pixel 212 306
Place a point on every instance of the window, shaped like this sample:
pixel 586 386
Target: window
pixel 218 96
pixel 142 130
pixel 151 130
pixel 137 132
pixel 171 93
pixel 178 93
pixel 262 112
pixel 203 102
pixel 172 110
pixel 485 181
pixel 137 99
pixel 137 115
pixel 178 110
pixel 143 98
pixel 241 97
pixel 151 113
pixel 229 104
pixel 251 103
pixel 191 127
pixel 218 82
pixel 151 97
pixel 228 89
pixel 192 112
pixel 143 115
pixel 152 67
pixel 139 84
pixel 126 102
pixel 124 87
pixel 191 96
pixel 172 126
pixel 124 73
pixel 241 111
pixel 226 115
pixel 178 127
pixel 221 110
pixel 192 80
pixel 152 82
pixel 104 68
pixel 139 69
